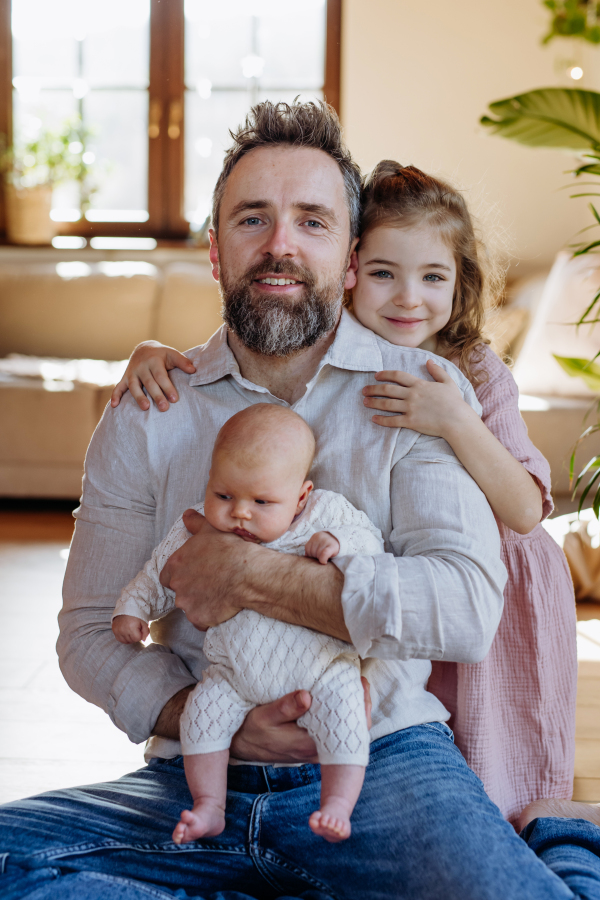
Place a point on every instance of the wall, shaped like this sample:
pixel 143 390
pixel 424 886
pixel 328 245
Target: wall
pixel 416 77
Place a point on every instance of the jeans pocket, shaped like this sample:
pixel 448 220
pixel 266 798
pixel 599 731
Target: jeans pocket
pixel 440 728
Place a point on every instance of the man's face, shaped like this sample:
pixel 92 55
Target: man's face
pixel 283 248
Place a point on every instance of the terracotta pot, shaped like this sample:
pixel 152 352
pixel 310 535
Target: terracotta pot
pixel 28 214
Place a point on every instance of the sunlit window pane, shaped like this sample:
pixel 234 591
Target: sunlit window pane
pixel 88 58
pixel 239 52
pixel 121 138
pixel 207 124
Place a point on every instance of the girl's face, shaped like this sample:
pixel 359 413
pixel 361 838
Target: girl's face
pixel 405 284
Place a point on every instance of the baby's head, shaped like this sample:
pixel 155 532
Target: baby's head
pixel 420 276
pixel 257 482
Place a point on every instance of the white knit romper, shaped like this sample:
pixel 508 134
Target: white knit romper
pixel 256 659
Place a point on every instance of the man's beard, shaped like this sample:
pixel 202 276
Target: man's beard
pixel 273 325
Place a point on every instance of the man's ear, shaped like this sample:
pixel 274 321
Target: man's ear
pixel 213 253
pixel 304 495
pixel 350 280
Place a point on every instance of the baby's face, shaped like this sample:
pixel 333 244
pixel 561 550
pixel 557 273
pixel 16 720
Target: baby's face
pixel 256 502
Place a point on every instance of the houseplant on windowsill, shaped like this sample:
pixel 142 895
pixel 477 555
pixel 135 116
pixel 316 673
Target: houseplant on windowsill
pixel 31 170
pixel 566 119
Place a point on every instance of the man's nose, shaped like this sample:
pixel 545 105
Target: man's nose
pixel 280 241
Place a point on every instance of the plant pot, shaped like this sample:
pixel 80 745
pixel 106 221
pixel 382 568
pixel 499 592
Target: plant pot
pixel 28 214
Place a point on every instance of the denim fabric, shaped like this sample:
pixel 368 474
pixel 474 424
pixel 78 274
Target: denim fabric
pixel 422 828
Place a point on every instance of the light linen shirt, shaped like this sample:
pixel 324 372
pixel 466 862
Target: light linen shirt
pixel 435 594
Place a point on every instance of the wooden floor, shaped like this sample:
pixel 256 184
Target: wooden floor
pixel 51 738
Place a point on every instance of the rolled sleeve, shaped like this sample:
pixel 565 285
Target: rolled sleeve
pixel 440 595
pixel 371 604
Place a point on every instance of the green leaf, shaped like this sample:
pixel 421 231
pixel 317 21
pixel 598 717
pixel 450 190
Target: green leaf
pixel 586 369
pixel 587 248
pixel 564 118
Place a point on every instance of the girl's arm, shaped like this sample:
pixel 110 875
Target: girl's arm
pixel 437 408
pixel 148 367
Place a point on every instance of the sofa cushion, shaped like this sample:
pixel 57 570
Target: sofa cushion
pixel 77 309
pixel 189 311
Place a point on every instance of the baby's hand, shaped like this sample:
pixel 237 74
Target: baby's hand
pixel 430 407
pixel 148 366
pixel 322 546
pixel 129 629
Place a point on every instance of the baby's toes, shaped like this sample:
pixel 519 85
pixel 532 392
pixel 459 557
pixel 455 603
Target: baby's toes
pixel 179 834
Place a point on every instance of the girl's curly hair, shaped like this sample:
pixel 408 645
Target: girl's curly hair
pixel 404 196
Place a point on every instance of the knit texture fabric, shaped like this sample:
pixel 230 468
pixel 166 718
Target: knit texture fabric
pixel 256 659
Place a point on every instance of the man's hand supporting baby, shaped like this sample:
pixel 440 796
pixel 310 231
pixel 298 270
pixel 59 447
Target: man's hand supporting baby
pixel 215 575
pixel 269 733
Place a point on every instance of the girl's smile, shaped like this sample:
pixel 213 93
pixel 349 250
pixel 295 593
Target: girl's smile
pixel 405 285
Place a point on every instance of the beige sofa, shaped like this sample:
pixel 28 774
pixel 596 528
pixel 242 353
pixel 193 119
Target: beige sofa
pixel 70 321
pixel 61 323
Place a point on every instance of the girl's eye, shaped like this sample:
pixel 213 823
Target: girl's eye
pixel 382 273
pixel 433 277
pixel 262 502
pixel 223 496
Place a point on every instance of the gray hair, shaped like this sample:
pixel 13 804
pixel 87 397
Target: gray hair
pixel 300 125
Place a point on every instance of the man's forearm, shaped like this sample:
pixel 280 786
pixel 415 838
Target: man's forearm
pixel 167 724
pixel 297 590
pixel 216 575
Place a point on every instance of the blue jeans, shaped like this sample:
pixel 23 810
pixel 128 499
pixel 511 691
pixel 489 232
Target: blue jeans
pixel 423 828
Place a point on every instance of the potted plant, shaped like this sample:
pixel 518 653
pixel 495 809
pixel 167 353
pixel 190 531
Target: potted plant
pixel 566 119
pixel 31 170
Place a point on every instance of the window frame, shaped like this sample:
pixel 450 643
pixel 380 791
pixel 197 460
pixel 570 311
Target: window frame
pixel 166 221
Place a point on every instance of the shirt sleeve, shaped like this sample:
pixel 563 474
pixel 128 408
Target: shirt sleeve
pixel 499 398
pixel 114 536
pixel 145 597
pixel 439 593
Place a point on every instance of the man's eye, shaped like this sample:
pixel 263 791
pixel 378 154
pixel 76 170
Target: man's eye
pixel 433 277
pixel 251 220
pixel 314 224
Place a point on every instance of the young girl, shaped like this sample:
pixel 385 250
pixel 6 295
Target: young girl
pixel 421 284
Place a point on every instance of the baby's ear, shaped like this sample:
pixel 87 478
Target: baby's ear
pixel 304 495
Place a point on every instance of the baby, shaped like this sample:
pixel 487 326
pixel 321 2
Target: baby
pixel 258 490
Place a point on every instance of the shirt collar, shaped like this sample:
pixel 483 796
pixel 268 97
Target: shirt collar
pixel 354 347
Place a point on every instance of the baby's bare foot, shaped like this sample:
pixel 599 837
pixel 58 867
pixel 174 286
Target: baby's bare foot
pixel 204 820
pixel 332 822
pixel 560 809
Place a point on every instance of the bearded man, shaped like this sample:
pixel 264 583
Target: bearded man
pixel 286 209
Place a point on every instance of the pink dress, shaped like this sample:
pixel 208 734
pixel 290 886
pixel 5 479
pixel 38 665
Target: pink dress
pixel 513 714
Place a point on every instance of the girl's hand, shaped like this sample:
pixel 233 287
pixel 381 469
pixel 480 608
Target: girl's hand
pixel 147 367
pixel 322 546
pixel 430 407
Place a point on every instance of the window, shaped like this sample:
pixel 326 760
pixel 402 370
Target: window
pixel 158 85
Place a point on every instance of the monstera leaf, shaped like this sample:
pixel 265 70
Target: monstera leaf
pixel 563 118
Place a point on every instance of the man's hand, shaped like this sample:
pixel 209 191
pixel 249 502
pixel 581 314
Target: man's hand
pixel 215 575
pixel 269 733
pixel 202 570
